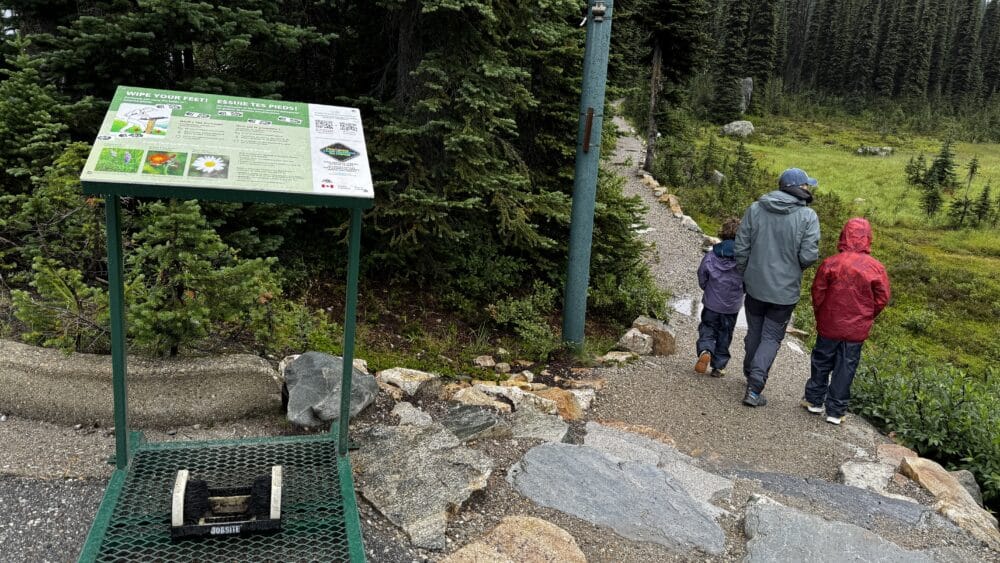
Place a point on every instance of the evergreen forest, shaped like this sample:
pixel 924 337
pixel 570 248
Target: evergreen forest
pixel 471 111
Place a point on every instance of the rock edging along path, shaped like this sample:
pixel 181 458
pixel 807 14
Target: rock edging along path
pixel 46 384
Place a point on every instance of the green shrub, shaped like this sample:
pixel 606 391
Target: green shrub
pixel 527 316
pixel 940 412
pixel 64 312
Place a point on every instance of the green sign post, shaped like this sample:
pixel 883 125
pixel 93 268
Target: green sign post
pixel 166 144
pixel 588 157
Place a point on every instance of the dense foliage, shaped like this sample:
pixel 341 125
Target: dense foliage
pixel 470 112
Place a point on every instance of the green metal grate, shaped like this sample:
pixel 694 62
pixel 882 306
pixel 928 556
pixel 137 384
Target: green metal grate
pixel 317 524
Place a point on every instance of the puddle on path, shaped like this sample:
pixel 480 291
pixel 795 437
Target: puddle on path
pixel 690 306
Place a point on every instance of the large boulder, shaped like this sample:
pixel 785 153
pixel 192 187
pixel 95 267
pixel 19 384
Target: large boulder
pixel 521 539
pixel 664 340
pixel 968 480
pixel 953 501
pixel 638 501
pixel 415 476
pixel 313 381
pixel 741 129
pixel 636 342
pixel 780 534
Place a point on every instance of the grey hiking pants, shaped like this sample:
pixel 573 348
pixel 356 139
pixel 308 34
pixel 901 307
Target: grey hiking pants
pixel 766 323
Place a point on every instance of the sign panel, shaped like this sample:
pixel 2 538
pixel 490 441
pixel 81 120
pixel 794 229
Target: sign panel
pixel 165 138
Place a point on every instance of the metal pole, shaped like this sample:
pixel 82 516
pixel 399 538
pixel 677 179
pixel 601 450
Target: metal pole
pixel 588 155
pixel 116 292
pixel 350 313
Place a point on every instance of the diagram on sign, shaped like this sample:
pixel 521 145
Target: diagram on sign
pixel 138 120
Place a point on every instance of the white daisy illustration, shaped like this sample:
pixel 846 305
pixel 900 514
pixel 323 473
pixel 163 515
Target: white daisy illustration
pixel 207 164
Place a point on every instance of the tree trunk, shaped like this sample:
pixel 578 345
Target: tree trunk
pixel 654 91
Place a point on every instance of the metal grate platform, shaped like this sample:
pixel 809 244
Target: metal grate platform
pixel 317 524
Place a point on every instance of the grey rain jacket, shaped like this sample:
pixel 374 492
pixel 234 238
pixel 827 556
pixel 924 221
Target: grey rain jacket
pixel 777 239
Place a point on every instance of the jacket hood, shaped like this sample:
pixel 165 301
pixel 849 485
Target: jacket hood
pixel 856 236
pixel 725 249
pixel 782 202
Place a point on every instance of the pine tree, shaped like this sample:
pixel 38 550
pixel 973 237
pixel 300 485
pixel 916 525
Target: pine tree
pixel 761 49
pixel 965 77
pixel 990 49
pixel 890 44
pixel 941 174
pixel 731 62
pixel 944 16
pixel 916 170
pixel 916 73
pixel 862 66
pixel 189 281
pixel 931 199
pixel 982 210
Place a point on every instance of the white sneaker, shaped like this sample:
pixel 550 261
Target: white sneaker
pixel 811 407
pixel 835 420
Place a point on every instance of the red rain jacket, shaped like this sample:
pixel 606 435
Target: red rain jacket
pixel 851 288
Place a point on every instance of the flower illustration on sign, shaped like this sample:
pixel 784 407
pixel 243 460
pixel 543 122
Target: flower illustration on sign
pixel 209 166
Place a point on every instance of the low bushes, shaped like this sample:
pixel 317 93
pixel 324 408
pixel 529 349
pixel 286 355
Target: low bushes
pixel 941 412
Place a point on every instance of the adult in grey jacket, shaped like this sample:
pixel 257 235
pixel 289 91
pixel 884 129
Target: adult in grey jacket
pixel 778 238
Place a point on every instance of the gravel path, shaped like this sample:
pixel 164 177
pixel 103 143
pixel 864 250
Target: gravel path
pixel 705 415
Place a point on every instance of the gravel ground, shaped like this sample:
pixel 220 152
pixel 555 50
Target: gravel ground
pixel 52 477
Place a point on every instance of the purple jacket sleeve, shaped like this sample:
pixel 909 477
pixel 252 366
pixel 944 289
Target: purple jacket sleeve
pixel 703 272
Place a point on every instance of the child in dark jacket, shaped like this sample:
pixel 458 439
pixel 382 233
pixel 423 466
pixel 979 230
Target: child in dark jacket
pixel 723 285
pixel 850 289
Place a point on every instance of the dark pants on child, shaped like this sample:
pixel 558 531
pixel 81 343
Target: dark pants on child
pixel 834 363
pixel 714 334
pixel 766 323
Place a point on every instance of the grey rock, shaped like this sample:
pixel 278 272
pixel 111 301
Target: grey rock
pixel 409 414
pixel 637 500
pixel 529 423
pixel 690 224
pixel 410 381
pixel 664 339
pixel 468 422
pixel 414 476
pixel 635 341
pixel 850 504
pixel 717 178
pixel 314 389
pixel 701 485
pixel 968 482
pixel 742 129
pixel 875 151
pixel 778 534
pixel 866 475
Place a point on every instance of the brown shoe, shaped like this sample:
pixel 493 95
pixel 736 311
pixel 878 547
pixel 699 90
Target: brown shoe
pixel 703 360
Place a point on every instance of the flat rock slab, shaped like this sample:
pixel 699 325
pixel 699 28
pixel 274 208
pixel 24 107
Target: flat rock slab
pixel 701 485
pixel 638 501
pixel 468 422
pixel 409 414
pixel 414 476
pixel 851 504
pixel 521 539
pixel 314 380
pixel 781 534
pixel 410 381
pixel 534 425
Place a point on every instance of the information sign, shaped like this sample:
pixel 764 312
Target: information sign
pixel 164 138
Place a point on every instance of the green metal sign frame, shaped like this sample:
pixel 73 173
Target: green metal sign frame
pixel 126 442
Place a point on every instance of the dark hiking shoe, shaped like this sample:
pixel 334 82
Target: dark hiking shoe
pixel 752 399
pixel 811 407
pixel 703 360
pixel 718 372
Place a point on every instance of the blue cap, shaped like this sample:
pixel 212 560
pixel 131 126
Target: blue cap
pixel 795 177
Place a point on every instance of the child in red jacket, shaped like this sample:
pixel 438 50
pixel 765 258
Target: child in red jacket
pixel 850 289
